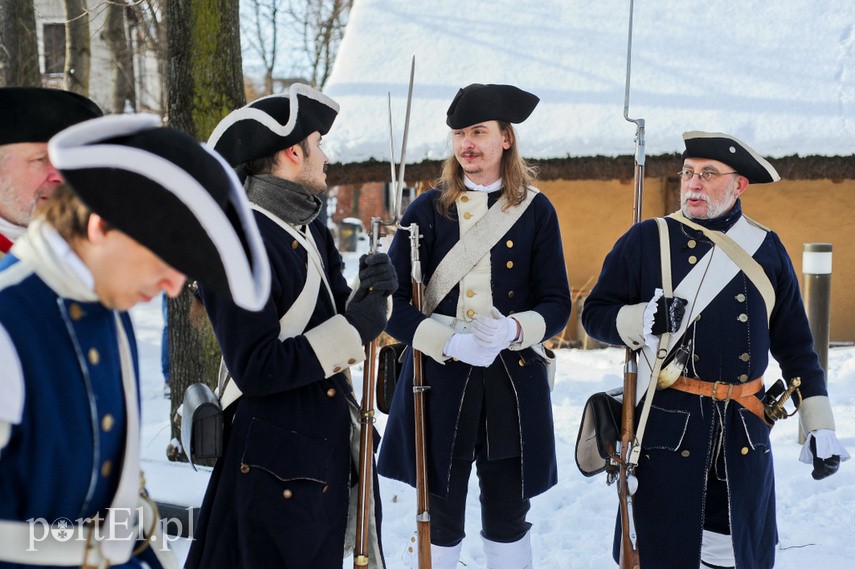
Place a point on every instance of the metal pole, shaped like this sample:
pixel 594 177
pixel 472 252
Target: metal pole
pixel 816 291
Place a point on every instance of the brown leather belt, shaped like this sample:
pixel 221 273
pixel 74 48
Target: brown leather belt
pixel 720 391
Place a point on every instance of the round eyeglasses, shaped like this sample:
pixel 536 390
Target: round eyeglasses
pixel 703 175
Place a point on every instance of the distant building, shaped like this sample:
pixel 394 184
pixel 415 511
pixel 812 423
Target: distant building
pixel 50 29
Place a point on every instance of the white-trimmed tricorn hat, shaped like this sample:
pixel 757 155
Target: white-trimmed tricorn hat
pixel 172 195
pixel 731 151
pixel 273 123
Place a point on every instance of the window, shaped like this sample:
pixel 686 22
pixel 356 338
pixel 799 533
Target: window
pixel 54 42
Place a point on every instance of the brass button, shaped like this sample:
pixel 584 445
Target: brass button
pixel 740 297
pixel 470 313
pixel 351 361
pixel 286 493
pixel 745 357
pixel 743 378
pixel 685 454
pixel 509 243
pixel 692 259
pixel 467 215
pixel 326 487
pixel 696 358
pixel 510 294
pixel 470 293
pixel 106 468
pixel 464 199
pixel 94 356
pixel 522 362
pixel 744 450
pixel 244 468
pixel 698 317
pixel 692 243
pixel 294 244
pixel 742 317
pixel 75 311
pixel 336 369
pixel 455 360
pixel 107 423
pixel 331 392
pixel 509 264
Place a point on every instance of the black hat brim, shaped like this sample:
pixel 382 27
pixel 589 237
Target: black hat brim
pixel 731 151
pixel 273 123
pixel 172 195
pixel 35 114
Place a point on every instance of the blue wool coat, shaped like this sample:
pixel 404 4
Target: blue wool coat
pixel 731 344
pixel 279 495
pixel 527 273
pixel 64 458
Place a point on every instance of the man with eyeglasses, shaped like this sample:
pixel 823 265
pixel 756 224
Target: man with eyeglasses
pixel 705 476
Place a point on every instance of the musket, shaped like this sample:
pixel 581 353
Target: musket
pixel 361 552
pixel 627 482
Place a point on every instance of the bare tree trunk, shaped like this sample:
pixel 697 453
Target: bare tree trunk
pixel 77 50
pixel 205 83
pixel 19 52
pixel 114 35
pixel 151 29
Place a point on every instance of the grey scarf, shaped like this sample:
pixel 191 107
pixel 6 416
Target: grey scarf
pixel 290 201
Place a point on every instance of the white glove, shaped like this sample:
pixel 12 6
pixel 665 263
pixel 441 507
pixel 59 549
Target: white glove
pixel 468 349
pixel 497 332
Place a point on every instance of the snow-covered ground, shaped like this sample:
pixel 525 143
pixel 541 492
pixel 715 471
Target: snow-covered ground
pixel 573 522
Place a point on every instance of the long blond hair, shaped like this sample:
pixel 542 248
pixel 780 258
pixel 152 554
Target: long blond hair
pixel 517 175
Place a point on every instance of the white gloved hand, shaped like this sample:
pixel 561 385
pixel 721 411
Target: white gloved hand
pixel 468 349
pixel 497 331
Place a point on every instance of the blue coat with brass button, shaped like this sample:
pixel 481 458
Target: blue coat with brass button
pixel 64 458
pixel 527 277
pixel 731 342
pixel 279 495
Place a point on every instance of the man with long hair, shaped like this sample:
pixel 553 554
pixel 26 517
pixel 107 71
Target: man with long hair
pixel 496 288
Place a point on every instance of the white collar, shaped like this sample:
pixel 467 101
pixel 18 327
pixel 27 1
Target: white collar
pixel 10 230
pixel 56 262
pixel 497 185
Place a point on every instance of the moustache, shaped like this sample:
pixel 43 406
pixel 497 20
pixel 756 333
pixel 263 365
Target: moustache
pixel 696 196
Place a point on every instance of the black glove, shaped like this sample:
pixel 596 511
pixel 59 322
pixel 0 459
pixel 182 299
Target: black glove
pixel 823 467
pixel 668 315
pixel 376 273
pixel 367 315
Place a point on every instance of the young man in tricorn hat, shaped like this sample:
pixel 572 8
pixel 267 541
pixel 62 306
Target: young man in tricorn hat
pixel 488 311
pixel 29 116
pixel 143 207
pixel 706 492
pixel 279 496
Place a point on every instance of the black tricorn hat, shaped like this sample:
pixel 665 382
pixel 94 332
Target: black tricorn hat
pixel 731 151
pixel 478 103
pixel 172 195
pixel 34 114
pixel 273 123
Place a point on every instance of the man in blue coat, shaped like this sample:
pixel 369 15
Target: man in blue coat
pixel 143 207
pixel 488 310
pixel 279 497
pixel 706 491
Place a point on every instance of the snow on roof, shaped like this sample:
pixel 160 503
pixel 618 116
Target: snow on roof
pixel 779 75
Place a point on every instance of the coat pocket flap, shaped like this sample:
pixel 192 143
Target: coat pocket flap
pixel 285 453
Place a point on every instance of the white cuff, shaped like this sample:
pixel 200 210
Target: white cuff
pixel 827 445
pixel 533 329
pixel 336 344
pixel 630 324
pixel 431 337
pixel 816 414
